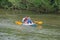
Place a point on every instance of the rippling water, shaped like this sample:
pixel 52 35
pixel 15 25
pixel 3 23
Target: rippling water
pixel 9 31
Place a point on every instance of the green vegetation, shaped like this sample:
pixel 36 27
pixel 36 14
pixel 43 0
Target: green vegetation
pixel 5 4
pixel 40 6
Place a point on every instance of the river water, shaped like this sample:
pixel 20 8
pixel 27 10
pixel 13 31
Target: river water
pixel 10 31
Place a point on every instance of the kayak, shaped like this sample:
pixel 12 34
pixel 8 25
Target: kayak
pixel 30 24
pixel 36 23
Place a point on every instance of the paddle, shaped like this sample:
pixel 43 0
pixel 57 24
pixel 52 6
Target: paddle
pixel 18 22
pixel 36 22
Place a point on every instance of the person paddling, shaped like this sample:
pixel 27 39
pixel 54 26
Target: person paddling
pixel 27 20
pixel 24 20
